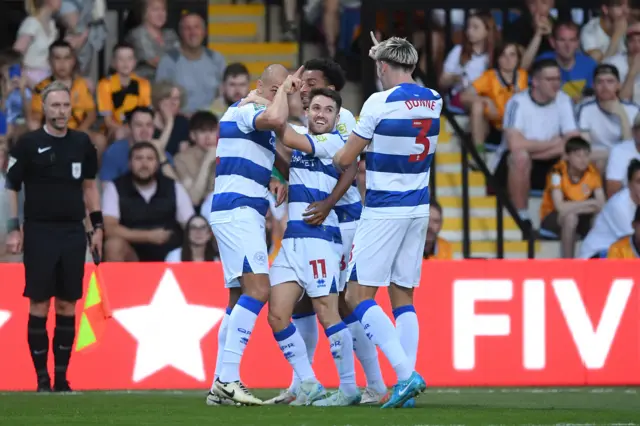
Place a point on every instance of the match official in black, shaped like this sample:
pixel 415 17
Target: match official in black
pixel 58 168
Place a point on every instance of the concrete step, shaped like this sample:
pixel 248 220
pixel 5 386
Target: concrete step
pixel 236 23
pixel 258 52
pixel 478 224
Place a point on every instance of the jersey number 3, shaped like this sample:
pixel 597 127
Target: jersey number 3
pixel 421 139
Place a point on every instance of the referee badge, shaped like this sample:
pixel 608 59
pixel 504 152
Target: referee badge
pixel 76 170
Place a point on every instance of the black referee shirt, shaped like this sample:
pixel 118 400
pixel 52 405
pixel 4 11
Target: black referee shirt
pixel 52 169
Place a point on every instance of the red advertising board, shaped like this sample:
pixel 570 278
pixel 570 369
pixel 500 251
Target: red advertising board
pixel 482 323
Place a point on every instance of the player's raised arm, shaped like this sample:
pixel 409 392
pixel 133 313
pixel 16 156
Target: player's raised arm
pixel 276 115
pixel 294 140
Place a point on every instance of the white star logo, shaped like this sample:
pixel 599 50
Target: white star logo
pixel 4 317
pixel 168 331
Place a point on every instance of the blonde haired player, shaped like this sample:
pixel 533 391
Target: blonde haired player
pixel 399 129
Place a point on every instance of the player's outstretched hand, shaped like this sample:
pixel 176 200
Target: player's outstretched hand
pixel 317 212
pixel 279 189
pixel 14 242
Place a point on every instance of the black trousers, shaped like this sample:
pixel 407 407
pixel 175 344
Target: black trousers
pixel 54 257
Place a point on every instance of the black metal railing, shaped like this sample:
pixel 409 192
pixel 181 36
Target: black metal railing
pixel 128 13
pixel 416 17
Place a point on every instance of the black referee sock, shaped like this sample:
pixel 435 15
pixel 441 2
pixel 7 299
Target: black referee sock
pixel 39 346
pixel 63 337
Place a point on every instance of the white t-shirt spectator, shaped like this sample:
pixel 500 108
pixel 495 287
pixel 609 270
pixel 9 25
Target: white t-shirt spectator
pixel 621 62
pixel 604 128
pixel 612 223
pixel 619 159
pixel 593 37
pixel 174 256
pixel 111 201
pixel 470 71
pixel 537 122
pixel 37 54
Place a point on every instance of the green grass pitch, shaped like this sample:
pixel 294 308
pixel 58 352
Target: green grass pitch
pixel 437 406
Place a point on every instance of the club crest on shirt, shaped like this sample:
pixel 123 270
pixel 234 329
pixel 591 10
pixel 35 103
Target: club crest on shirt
pixel 76 170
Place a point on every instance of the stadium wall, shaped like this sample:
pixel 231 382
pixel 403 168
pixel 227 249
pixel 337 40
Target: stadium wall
pixel 482 323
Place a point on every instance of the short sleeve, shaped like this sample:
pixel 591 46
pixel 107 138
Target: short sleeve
pixel 36 102
pixel 174 256
pixel 246 116
pixel 347 123
pixel 88 104
pixel 110 201
pixel 144 100
pixel 452 62
pixel 166 69
pixel 90 166
pixel 325 146
pixel 370 116
pixel 588 39
pixel 514 116
pixel 105 102
pixel 596 180
pixel 583 119
pixel 567 116
pixel 109 168
pixel 555 180
pixel 29 27
pixel 617 164
pixel 17 165
pixel 483 83
pixel 184 207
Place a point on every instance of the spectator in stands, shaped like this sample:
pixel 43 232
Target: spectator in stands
pixel 151 40
pixel 576 68
pixel 35 35
pixel 235 86
pixel 145 212
pixel 86 30
pixel 532 30
pixel 628 65
pixel 436 247
pixel 83 109
pixel 487 97
pixel 627 247
pixel 572 197
pixel 14 94
pixel 168 98
pixel 614 221
pixel 199 244
pixel 116 161
pixel 196 166
pixel 331 22
pixel 605 121
pixel 537 123
pixel 619 159
pixel 193 66
pixel 603 36
pixel 121 92
pixel 467 61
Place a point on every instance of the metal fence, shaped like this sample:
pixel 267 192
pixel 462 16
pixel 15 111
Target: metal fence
pixel 416 18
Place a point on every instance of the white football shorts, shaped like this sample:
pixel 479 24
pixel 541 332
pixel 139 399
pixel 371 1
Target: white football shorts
pixel 311 262
pixel 348 231
pixel 388 251
pixel 241 237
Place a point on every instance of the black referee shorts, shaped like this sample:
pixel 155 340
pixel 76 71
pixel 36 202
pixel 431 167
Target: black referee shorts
pixel 54 257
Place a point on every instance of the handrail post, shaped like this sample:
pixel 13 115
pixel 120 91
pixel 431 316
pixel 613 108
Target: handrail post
pixel 466 231
pixel 499 229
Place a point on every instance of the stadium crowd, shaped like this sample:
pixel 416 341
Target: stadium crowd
pixel 551 102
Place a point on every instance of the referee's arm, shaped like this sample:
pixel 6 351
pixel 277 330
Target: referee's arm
pixel 92 199
pixel 14 180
